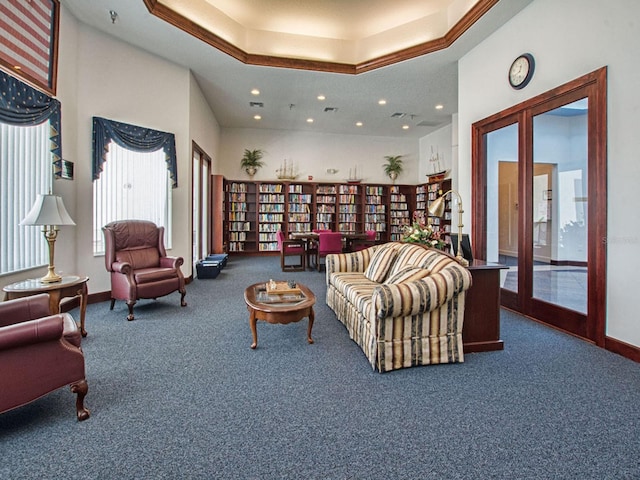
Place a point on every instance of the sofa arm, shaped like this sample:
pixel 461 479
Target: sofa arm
pixel 349 262
pixel 171 262
pixel 30 332
pixel 420 296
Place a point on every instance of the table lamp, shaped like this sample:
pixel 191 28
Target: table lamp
pixel 49 211
pixel 436 208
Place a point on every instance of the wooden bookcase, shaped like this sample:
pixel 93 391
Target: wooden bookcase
pixel 271 214
pixel 240 216
pixel 254 211
pixel 325 207
pixel 350 208
pixel 435 190
pixel 376 203
pixel 399 209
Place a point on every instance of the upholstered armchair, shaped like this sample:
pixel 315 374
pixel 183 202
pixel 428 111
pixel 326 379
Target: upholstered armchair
pixel 39 353
pixel 138 263
pixel 328 242
pixel 291 248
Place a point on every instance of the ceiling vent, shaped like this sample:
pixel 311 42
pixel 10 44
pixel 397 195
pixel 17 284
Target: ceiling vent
pixel 398 115
pixel 256 104
pixel 331 109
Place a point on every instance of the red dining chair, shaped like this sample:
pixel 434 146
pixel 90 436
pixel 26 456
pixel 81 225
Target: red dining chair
pixel 290 248
pixel 328 242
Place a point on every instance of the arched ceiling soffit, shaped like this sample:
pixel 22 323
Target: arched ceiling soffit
pixel 245 30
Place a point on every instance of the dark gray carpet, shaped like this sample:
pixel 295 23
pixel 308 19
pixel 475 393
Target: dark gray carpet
pixel 178 393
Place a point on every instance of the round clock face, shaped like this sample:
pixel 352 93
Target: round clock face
pixel 521 71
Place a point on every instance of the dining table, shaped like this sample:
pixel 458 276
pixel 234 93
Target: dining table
pixel 311 240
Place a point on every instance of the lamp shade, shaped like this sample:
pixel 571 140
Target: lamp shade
pixel 48 210
pixel 436 208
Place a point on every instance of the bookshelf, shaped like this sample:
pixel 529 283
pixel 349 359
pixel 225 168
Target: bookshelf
pixel 271 215
pixel 254 211
pixel 325 207
pixel 240 216
pixel 375 210
pixel 398 212
pixel 299 208
pixel 350 208
pixel 433 190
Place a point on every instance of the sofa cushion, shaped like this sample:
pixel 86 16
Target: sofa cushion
pixel 408 274
pixel 380 264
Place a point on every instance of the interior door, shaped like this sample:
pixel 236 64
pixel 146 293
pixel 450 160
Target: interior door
pixel 537 167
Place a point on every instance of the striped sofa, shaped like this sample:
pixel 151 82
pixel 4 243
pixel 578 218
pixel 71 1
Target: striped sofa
pixel 402 303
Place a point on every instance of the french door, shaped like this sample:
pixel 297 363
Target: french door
pixel 539 198
pixel 201 205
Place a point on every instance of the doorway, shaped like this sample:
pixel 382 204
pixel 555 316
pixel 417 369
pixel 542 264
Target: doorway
pixel 201 205
pixel 540 204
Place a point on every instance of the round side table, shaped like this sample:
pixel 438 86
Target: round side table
pixel 69 286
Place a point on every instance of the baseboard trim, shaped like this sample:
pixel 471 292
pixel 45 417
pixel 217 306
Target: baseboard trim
pixel 621 348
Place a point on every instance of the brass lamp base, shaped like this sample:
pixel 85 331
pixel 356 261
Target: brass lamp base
pixel 51 277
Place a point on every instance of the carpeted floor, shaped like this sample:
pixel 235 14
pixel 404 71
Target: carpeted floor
pixel 178 393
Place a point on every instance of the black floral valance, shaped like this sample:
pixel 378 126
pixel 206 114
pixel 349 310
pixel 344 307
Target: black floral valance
pixel 139 139
pixel 23 105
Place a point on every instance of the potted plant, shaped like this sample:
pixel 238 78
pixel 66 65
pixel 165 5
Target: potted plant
pixel 252 160
pixel 393 167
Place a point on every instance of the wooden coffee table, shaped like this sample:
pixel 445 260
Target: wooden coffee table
pixel 269 308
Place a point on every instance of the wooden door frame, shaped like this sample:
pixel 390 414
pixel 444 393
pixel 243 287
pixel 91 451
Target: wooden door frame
pixel 195 148
pixel 593 86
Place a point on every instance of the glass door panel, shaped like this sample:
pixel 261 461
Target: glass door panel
pixel 502 202
pixel 559 204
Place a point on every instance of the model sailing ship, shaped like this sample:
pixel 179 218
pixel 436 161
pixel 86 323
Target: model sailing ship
pixel 437 173
pixel 287 171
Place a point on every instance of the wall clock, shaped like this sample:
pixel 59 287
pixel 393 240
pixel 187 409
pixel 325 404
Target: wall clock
pixel 521 71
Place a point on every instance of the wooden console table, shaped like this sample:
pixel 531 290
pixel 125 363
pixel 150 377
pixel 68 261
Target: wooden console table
pixel 69 286
pixel 481 327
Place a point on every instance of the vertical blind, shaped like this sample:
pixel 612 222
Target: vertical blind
pixel 25 171
pixel 132 185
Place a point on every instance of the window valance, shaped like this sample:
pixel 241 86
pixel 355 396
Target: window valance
pixel 135 138
pixel 23 105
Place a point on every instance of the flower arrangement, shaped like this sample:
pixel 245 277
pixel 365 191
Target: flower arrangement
pixel 423 233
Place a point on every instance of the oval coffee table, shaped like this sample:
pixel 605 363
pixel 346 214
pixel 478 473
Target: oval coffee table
pixel 274 309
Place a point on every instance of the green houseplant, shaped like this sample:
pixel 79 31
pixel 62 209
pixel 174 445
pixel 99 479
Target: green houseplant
pixel 393 167
pixel 252 160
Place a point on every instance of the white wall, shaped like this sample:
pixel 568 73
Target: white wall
pixel 203 125
pixel 438 142
pixel 314 153
pixel 569 39
pixel 99 75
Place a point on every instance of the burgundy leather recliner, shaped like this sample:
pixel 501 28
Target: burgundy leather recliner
pixel 137 260
pixel 39 353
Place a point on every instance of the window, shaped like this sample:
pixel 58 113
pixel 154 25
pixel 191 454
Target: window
pixel 132 185
pixel 25 171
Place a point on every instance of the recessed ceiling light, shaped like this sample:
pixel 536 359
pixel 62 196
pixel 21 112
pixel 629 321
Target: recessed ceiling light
pixel 382 101
pixel 309 120
pixel 257 117
pixel 321 97
pixel 358 124
pixel 255 91
pixel 405 127
pixel 439 106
